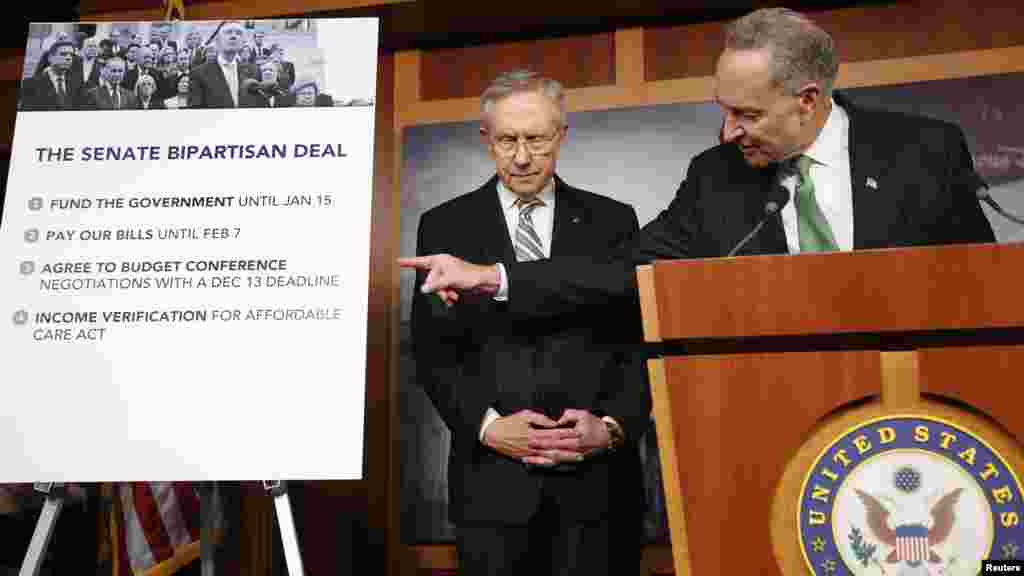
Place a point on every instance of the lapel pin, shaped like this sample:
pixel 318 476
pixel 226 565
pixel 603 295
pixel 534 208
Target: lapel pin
pixel 871 183
pixel 575 219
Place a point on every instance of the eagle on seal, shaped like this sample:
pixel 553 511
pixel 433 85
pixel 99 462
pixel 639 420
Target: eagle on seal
pixel 912 543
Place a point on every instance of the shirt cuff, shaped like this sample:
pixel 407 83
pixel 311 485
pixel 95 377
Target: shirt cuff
pixel 502 294
pixel 490 416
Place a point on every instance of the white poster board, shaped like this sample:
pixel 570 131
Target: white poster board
pixel 185 291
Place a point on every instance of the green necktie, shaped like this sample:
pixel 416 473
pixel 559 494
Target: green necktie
pixel 815 233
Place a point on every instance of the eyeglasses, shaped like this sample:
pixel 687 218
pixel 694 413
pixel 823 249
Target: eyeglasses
pixel 537 144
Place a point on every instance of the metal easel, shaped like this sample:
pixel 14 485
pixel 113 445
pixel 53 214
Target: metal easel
pixel 55 493
pixel 289 537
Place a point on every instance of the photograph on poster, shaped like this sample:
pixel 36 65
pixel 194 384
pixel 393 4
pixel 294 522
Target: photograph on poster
pixel 180 65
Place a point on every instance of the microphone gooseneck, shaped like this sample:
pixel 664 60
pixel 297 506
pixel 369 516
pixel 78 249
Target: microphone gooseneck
pixel 771 208
pixel 984 196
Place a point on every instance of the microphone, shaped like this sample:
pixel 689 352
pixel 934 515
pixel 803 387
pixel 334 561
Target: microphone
pixel 981 191
pixel 771 208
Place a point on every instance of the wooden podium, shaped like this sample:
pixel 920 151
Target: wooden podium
pixel 764 358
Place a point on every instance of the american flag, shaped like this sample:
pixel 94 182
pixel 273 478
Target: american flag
pixel 156 528
pixel 912 543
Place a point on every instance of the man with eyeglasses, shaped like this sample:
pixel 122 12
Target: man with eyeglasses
pixel 503 386
pixel 851 178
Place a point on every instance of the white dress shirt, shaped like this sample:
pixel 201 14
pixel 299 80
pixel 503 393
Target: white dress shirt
pixel 833 189
pixel 230 69
pixel 87 65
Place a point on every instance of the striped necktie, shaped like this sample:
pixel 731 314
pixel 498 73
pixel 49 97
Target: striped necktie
pixel 815 232
pixel 527 243
pixel 62 94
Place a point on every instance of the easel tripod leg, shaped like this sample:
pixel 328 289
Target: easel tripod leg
pixel 45 525
pixel 289 537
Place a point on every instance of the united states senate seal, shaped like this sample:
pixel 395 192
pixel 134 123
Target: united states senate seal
pixel 906 496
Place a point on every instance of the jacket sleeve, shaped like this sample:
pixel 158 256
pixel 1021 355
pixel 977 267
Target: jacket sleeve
pixel 444 349
pixel 628 398
pixel 964 221
pixel 196 90
pixel 546 289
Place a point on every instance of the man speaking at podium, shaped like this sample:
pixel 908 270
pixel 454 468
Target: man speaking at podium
pixel 801 165
pixel 503 386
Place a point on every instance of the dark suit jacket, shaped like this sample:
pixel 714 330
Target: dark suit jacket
pixel 469 359
pixel 209 89
pixel 154 104
pixel 38 92
pixel 286 75
pixel 99 98
pixel 913 185
pixel 322 100
pixel 166 83
pixel 198 57
pixel 131 76
pixel 94 76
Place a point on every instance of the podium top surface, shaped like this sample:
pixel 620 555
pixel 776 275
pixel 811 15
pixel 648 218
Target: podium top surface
pixel 958 288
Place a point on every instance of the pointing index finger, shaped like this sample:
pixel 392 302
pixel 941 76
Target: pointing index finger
pixel 417 262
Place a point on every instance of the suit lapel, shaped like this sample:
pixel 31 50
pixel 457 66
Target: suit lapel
pixel 568 217
pixel 122 98
pixel 873 210
pixel 741 205
pixel 495 237
pixel 51 92
pixel 222 81
pixel 771 239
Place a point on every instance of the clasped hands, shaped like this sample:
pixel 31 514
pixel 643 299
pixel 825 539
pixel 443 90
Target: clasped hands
pixel 536 439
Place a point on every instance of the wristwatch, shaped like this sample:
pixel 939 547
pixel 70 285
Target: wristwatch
pixel 616 438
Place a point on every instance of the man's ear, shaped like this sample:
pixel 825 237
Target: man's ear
pixel 484 134
pixel 810 97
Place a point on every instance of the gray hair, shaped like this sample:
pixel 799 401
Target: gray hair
pixel 801 50
pixel 520 81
